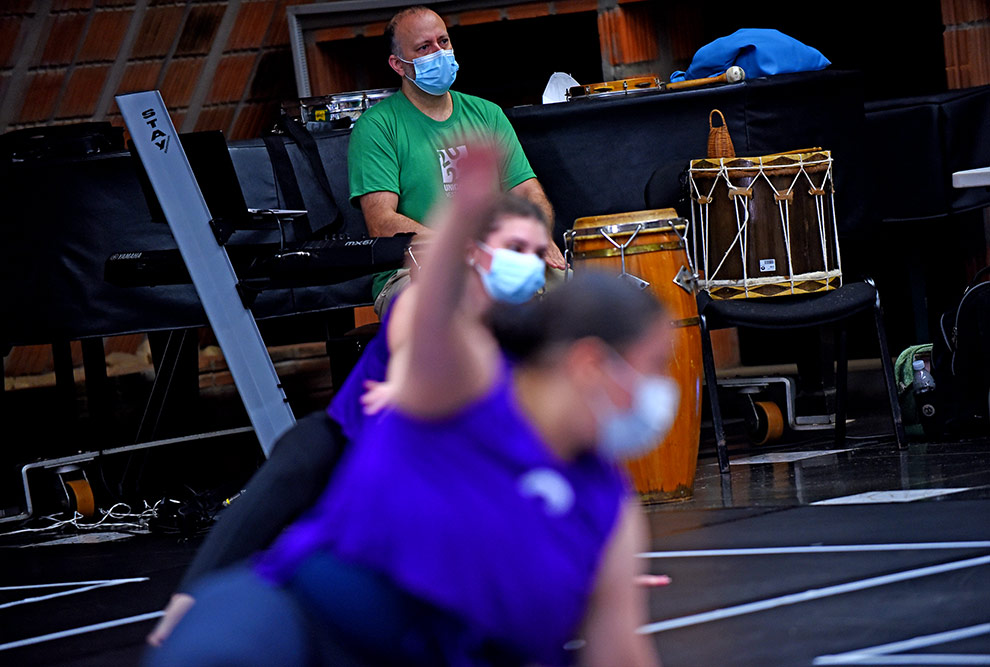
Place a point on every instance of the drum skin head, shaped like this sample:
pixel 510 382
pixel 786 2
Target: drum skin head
pixel 631 217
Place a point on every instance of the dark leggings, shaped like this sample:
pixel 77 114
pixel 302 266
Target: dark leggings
pixel 287 484
pixel 329 613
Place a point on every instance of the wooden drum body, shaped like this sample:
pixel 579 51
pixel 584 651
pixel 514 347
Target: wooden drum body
pixel 765 226
pixel 654 254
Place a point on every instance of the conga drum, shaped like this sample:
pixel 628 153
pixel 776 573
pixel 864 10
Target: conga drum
pixel 647 248
pixel 765 226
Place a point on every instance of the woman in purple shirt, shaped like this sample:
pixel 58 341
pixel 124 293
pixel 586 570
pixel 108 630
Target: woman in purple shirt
pixel 301 463
pixel 481 519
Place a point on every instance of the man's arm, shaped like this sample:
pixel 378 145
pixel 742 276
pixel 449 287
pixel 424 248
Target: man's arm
pixel 531 190
pixel 382 218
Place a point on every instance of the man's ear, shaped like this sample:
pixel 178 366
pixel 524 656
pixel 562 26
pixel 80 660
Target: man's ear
pixel 396 65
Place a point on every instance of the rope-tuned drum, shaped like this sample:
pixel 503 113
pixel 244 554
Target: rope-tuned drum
pixel 765 226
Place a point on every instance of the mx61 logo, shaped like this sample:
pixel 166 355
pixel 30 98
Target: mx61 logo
pixel 158 137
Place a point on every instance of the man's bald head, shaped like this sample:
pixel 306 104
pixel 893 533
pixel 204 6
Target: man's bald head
pixel 394 47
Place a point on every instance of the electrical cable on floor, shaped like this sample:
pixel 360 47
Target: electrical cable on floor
pixel 118 511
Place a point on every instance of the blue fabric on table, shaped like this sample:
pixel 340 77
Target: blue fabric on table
pixel 759 51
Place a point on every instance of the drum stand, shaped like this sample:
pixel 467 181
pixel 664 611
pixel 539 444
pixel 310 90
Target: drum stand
pixel 685 278
pixel 764 417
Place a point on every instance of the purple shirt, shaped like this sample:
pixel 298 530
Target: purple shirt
pixel 472 514
pixel 345 408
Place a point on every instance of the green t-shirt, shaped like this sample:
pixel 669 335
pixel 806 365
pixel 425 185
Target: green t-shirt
pixel 394 147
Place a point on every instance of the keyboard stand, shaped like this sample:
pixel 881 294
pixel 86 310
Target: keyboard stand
pixel 188 216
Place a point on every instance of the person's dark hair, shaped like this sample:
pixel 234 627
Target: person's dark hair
pixel 393 47
pixel 591 304
pixel 509 205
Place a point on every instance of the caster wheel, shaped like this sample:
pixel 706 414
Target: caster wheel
pixel 81 497
pixel 769 425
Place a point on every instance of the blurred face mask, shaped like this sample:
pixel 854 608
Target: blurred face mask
pixel 628 434
pixel 435 72
pixel 514 277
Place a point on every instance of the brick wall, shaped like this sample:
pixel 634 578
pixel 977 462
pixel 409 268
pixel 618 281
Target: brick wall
pixel 219 65
pixel 967 42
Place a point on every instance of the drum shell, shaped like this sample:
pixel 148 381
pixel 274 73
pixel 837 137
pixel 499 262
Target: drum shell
pixel 814 249
pixel 656 255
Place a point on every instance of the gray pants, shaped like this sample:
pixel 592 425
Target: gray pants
pixel 393 286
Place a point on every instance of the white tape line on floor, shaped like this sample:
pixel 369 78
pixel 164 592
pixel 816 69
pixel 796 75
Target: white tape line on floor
pixel 74 591
pixel 817 549
pixel 869 655
pixel 895 496
pixel 83 630
pixel 812 594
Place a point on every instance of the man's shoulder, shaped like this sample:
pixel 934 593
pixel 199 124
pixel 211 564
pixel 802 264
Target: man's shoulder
pixel 382 112
pixel 476 104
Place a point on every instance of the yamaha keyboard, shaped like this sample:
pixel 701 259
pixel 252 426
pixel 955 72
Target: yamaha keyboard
pixel 269 265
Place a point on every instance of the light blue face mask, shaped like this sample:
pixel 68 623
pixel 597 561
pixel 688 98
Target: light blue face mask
pixel 435 72
pixel 514 277
pixel 632 433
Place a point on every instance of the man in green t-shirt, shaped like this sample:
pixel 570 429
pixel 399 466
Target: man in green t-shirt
pixel 403 151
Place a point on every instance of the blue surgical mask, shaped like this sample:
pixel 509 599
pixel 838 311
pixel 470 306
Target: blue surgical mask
pixel 514 277
pixel 435 72
pixel 634 432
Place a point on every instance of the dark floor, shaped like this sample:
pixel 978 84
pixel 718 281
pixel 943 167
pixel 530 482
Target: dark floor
pixel 804 554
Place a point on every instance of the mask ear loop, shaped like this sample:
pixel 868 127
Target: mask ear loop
pixel 484 247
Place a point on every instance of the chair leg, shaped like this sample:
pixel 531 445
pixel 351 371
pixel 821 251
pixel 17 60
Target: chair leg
pixel 711 381
pixel 888 375
pixel 841 382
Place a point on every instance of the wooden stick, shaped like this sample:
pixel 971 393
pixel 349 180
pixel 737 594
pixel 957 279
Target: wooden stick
pixel 732 75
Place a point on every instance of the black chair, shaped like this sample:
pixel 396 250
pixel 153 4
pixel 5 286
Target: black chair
pixel 833 307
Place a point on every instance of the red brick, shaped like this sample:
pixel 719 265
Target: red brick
pixel 530 11
pixel 254 120
pixel 18 7
pixel 62 5
pixel 139 77
pixel 253 21
pixel 105 35
pixel 180 81
pixel 479 16
pixel 42 91
pixel 158 31
pixel 10 28
pixel 279 34
pixel 572 6
pixel 231 78
pixel 950 41
pixel 199 30
pixel 177 117
pixel 115 3
pixel 215 118
pixel 974 10
pixel 375 29
pixel 64 34
pixel 334 34
pixel 83 92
